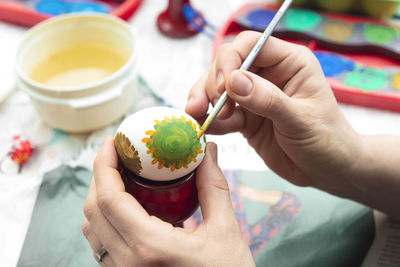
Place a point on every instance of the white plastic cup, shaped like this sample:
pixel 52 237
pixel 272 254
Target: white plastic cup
pixel 88 107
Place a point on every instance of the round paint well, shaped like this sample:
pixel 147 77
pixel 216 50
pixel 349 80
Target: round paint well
pixel 52 7
pixel 338 31
pixel 259 19
pixel 333 64
pixel 396 81
pixel 301 19
pixel 379 34
pixel 58 7
pixel 368 79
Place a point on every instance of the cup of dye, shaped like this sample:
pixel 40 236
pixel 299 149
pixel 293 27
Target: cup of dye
pixel 172 201
pixel 79 70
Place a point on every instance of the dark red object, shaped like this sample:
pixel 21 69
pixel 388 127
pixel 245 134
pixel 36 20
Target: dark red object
pixel 21 150
pixel 172 201
pixel 173 23
pixel 18 13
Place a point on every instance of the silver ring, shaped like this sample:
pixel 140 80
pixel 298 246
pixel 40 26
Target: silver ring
pixel 100 254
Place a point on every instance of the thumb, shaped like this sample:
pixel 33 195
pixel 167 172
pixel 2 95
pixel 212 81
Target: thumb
pixel 258 95
pixel 213 190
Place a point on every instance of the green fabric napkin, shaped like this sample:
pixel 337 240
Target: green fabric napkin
pixel 54 236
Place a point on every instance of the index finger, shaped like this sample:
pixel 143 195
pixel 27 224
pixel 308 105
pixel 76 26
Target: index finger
pixel 278 60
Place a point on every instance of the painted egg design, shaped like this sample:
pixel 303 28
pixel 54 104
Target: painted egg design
pixel 160 143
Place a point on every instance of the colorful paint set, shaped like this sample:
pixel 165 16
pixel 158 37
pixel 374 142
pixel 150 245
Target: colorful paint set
pixel 336 33
pixel 360 57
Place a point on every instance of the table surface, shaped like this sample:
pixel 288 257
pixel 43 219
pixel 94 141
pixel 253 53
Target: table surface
pixel 170 67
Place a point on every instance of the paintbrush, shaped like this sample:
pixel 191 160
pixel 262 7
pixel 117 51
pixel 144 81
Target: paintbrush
pixel 247 63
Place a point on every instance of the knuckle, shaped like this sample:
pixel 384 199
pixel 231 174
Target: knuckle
pixel 246 35
pixel 97 162
pixel 85 229
pixel 303 50
pixel 149 256
pixel 222 52
pixel 275 101
pixel 105 203
pixel 306 57
pixel 221 184
pixel 230 229
pixel 88 210
pixel 222 49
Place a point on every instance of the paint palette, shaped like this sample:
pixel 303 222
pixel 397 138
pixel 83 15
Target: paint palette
pixel 31 12
pixel 360 57
pixel 332 32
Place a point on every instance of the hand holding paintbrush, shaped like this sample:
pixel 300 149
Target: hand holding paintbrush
pixel 247 63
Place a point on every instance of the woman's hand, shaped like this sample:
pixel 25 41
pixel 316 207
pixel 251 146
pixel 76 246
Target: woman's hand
pixel 115 220
pixel 286 110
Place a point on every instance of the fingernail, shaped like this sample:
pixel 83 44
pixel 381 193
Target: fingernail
pixel 241 84
pixel 190 101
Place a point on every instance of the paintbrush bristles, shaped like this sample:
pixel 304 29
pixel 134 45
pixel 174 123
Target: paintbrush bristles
pixel 200 133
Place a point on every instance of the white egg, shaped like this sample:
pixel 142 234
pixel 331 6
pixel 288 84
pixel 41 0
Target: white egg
pixel 160 143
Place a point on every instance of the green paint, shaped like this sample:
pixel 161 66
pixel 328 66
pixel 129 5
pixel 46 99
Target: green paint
pixel 379 34
pixel 301 19
pixel 366 78
pixel 175 142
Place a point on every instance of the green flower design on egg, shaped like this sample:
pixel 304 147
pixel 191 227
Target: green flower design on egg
pixel 173 143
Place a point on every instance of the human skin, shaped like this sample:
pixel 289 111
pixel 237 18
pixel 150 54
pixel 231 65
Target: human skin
pixel 289 115
pixel 114 219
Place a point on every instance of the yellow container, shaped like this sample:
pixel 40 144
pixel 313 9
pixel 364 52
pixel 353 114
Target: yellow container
pixel 379 9
pixel 339 6
pixel 79 70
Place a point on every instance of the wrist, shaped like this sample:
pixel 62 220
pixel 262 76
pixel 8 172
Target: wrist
pixel 344 164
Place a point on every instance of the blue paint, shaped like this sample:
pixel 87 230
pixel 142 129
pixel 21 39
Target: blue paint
pixel 259 19
pixel 334 64
pixel 52 7
pixel 57 7
pixel 88 6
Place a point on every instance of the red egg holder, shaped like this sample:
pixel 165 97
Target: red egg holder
pixel 18 13
pixel 387 100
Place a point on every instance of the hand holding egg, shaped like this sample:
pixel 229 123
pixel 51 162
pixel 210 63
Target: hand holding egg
pixel 160 144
